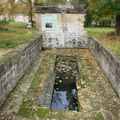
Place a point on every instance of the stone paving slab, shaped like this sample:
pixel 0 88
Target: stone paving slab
pixel 46 95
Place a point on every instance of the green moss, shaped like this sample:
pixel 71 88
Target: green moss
pixel 24 112
pixel 27 103
pixel 56 114
pixel 98 116
pixel 85 77
pixel 41 113
pixel 30 97
pixel 25 108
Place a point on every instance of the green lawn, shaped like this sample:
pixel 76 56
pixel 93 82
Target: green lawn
pixel 16 34
pixel 106 37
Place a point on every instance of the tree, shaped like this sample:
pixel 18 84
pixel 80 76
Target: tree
pixel 2 24
pixel 107 8
pixel 1 7
pixel 29 7
pixel 7 8
pixel 11 9
pixel 114 9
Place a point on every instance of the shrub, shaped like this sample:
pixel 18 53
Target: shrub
pixel 3 23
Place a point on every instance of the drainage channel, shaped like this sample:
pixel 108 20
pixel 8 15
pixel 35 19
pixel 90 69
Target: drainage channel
pixel 65 92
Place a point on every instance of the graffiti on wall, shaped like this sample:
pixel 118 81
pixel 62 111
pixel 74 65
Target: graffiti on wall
pixel 69 40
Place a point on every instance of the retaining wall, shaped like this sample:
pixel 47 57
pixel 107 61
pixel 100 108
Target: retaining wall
pixel 15 65
pixel 108 62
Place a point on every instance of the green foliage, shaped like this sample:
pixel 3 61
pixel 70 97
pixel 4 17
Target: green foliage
pixel 106 10
pixel 113 6
pixel 3 23
pixel 105 7
pixel 102 12
pixel 89 18
pixel 79 1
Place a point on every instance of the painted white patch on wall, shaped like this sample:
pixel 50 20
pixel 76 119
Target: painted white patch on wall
pixel 49 19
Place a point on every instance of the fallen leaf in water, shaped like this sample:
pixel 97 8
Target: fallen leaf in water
pixel 56 83
pixel 57 88
pixel 60 81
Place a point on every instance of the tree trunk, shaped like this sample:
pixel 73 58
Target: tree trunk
pixel 30 12
pixel 117 29
pixel 109 24
pixel 31 16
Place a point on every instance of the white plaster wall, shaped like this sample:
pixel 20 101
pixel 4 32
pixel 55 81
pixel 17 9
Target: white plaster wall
pixel 67 31
pixel 21 18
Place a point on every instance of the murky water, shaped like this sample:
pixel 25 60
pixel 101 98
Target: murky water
pixel 65 92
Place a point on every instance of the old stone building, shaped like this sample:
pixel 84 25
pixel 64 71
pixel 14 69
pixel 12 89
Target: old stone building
pixel 61 26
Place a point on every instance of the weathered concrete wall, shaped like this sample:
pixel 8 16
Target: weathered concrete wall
pixel 107 61
pixel 14 66
pixel 67 30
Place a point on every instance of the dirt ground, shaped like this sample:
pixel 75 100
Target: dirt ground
pixel 4 51
pixel 96 97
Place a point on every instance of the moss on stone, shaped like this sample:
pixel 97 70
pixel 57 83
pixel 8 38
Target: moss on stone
pixel 41 113
pixel 98 116
pixel 97 94
pixel 24 112
pixel 27 103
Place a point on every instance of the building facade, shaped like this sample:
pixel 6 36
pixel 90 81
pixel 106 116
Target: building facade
pixel 61 26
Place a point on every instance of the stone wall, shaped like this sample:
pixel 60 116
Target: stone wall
pixel 107 61
pixel 14 65
pixel 66 30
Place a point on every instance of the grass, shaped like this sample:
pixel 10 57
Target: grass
pixel 16 34
pixel 105 36
pixel 17 24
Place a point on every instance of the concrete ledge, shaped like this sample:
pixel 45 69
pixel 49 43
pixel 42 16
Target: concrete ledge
pixel 108 62
pixel 14 65
pixel 45 97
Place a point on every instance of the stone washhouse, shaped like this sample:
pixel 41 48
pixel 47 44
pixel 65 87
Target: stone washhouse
pixel 61 74
pixel 61 27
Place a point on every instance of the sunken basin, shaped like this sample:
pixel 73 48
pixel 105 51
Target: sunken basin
pixel 65 92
